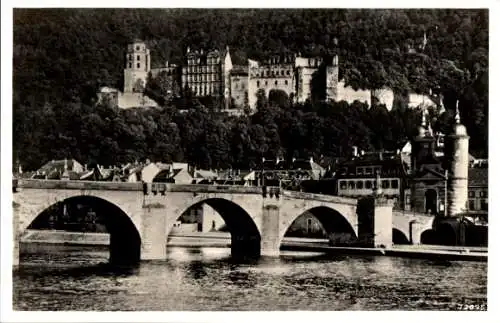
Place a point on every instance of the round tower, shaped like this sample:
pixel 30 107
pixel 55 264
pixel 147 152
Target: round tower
pixel 458 151
pixel 137 67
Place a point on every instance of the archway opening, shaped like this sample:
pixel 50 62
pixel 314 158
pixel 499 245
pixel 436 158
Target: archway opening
pixel 323 222
pixel 205 216
pixel 398 237
pixel 428 237
pixel 445 235
pixel 91 221
pixel 431 201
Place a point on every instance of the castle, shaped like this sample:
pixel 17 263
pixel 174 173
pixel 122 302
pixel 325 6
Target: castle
pixel 212 73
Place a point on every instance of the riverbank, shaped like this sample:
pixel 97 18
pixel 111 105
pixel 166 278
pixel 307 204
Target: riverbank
pixel 53 241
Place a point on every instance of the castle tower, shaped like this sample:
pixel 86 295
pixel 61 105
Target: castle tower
pixel 457 148
pixel 137 67
pixel 332 79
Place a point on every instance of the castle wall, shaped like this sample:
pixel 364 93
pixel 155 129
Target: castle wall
pixel 384 96
pixel 415 100
pixel 269 77
pixel 348 94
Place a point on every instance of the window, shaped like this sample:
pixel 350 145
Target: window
pixel 286 82
pixel 359 185
pixel 137 48
pixel 360 170
pixel 276 82
pixel 385 183
pixel 368 170
pixel 282 72
pixel 484 205
pixel 138 57
pixel 287 72
pixel 472 194
pixel 129 65
pixel 394 183
pixel 483 194
pixel 266 83
pixel 258 83
pixel 368 184
pixel 309 225
pixel 350 184
pixel 471 205
pixel 343 185
pixel 138 65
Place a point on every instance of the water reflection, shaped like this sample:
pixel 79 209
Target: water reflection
pixel 209 279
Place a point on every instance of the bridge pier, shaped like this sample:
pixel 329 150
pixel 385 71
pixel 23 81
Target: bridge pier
pixel 382 222
pixel 270 242
pixel 154 235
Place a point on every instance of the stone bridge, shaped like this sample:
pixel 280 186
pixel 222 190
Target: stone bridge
pixel 140 217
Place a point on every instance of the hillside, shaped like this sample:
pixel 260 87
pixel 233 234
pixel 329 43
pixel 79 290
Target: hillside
pixel 61 56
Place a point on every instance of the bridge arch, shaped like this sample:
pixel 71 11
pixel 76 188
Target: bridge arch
pixel 125 237
pixel 239 219
pixel 399 237
pixel 332 220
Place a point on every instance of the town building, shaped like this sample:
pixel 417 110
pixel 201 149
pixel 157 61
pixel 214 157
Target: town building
pixel 356 176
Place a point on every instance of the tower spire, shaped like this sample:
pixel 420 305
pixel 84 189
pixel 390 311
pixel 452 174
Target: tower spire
pixel 457 114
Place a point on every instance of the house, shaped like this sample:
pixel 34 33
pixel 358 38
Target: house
pixel 176 176
pixel 204 176
pixel 150 170
pixel 56 168
pixel 356 177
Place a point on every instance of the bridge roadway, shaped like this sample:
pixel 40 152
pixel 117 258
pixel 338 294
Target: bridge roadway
pixel 140 217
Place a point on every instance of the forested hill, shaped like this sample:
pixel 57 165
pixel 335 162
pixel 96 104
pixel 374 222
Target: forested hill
pixel 62 56
pixel 63 50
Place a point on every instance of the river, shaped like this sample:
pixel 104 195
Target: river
pixel 194 279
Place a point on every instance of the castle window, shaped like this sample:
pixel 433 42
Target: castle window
pixel 137 48
pixel 138 65
pixel 343 185
pixel 282 72
pixel 484 205
pixel 472 205
pixel 472 194
pixel 385 183
pixel 129 57
pixel 288 72
pixel 360 170
pixel 368 170
pixel 483 194
pixel 129 65
pixel 359 185
pixel 258 83
pixel 286 82
pixel 276 82
pixel 138 57
pixel 350 184
pixel 394 183
pixel 266 83
pixel 368 184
